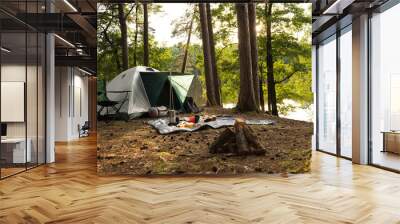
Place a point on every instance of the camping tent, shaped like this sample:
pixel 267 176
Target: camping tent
pixel 140 88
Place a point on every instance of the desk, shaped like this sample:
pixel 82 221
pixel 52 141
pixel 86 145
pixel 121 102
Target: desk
pixel 391 141
pixel 13 150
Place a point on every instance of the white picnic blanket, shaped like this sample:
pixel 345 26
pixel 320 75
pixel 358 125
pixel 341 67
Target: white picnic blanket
pixel 163 128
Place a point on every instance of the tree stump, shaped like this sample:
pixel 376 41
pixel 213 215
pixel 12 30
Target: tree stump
pixel 239 141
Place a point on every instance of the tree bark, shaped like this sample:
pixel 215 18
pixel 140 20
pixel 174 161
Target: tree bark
pixel 112 46
pixel 254 50
pixel 242 141
pixel 247 100
pixel 210 87
pixel 217 82
pixel 222 143
pixel 124 35
pixel 136 36
pixel 187 45
pixel 272 103
pixel 262 102
pixel 145 35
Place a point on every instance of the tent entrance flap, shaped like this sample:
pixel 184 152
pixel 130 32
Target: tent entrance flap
pixel 154 83
pixel 181 85
pixel 168 98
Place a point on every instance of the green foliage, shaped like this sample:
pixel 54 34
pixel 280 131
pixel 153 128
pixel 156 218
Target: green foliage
pixel 291 50
pixel 291 43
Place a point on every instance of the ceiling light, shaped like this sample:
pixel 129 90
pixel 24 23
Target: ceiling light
pixel 65 41
pixel 84 71
pixel 5 50
pixel 70 5
pixel 337 7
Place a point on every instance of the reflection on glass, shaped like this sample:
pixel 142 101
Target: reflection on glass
pixel 346 93
pixel 327 96
pixel 31 100
pixel 15 151
pixel 22 86
pixel 385 84
pixel 41 99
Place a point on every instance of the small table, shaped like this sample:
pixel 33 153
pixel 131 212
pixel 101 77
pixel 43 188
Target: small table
pixel 391 141
pixel 13 150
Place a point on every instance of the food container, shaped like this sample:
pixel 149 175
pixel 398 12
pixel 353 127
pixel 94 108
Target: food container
pixel 172 116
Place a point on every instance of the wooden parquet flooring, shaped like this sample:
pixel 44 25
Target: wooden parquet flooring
pixel 70 191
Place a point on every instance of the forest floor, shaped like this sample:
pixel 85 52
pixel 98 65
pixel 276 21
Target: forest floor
pixel 136 148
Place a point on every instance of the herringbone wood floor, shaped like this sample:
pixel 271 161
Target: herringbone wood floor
pixel 70 192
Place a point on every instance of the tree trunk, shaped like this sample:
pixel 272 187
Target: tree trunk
pixel 272 103
pixel 124 35
pixel 247 100
pixel 254 50
pixel 145 35
pixel 210 87
pixel 217 82
pixel 262 103
pixel 187 45
pixel 135 42
pixel 242 141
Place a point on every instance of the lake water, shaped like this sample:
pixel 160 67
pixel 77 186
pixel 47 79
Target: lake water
pixel 297 114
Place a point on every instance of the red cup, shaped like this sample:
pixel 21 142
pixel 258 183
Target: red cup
pixel 192 119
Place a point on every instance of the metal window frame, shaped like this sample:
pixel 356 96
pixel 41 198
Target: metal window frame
pixel 386 6
pixel 381 9
pixel 339 31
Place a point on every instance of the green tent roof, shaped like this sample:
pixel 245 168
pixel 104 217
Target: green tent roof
pixel 181 85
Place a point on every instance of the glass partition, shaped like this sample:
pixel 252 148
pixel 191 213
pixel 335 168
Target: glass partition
pixel 32 97
pixel 41 97
pixel 22 100
pixel 385 89
pixel 346 92
pixel 13 95
pixel 327 95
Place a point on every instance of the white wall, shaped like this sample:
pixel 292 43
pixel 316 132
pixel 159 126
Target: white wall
pixel 12 73
pixel 33 127
pixel 62 82
pixel 71 102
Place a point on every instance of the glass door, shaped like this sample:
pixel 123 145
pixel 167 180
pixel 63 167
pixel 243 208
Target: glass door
pixel 385 89
pixel 327 95
pixel 346 92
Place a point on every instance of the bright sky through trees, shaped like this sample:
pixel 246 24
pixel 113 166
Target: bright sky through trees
pixel 162 22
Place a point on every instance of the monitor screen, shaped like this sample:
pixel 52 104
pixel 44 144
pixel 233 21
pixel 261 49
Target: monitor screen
pixel 3 129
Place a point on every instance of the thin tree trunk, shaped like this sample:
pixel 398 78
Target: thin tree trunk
pixel 136 36
pixel 254 50
pixel 211 99
pixel 145 36
pixel 187 45
pixel 124 36
pixel 270 64
pixel 217 82
pixel 262 103
pixel 247 101
pixel 114 50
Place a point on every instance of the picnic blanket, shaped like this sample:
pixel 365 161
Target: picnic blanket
pixel 163 128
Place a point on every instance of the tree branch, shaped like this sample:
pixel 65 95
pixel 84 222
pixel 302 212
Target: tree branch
pixel 129 12
pixel 286 78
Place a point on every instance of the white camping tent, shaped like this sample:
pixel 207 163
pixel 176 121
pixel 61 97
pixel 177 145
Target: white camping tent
pixel 137 89
pixel 128 88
